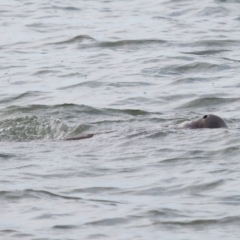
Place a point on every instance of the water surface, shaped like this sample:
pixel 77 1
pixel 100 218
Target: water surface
pixel 132 72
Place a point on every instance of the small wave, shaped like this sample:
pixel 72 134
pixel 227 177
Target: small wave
pixel 86 41
pixel 165 213
pixel 31 128
pixel 66 120
pixel 109 222
pixel 98 84
pixel 188 80
pixel 77 74
pixel 91 84
pixel 55 7
pixel 71 9
pixel 65 227
pixel 203 222
pixel 4 156
pixel 216 43
pixel 198 67
pixel 129 84
pixel 45 72
pixel 214 11
pixel 209 101
pixel 77 39
pixel 93 190
pixel 206 52
pixel 129 43
pixel 30 193
pixel 29 94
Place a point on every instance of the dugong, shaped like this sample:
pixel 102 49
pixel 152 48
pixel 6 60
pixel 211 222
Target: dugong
pixel 207 121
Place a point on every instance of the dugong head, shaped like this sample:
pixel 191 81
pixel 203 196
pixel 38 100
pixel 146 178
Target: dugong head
pixel 207 121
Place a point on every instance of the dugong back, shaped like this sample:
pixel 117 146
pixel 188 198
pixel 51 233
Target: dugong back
pixel 207 121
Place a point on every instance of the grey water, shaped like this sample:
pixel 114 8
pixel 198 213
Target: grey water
pixel 129 72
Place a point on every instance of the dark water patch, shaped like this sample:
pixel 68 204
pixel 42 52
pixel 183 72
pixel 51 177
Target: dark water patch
pixel 14 195
pixel 32 194
pixel 134 112
pixel 198 67
pixel 181 13
pixel 45 73
pixel 70 75
pixel 231 150
pixel 177 189
pixel 208 186
pixel 18 82
pixel 206 52
pixel 209 101
pixel 216 43
pixel 107 202
pixel 37 25
pixel 56 110
pixel 57 7
pixel 22 235
pixel 189 80
pixel 228 1
pixel 152 191
pixel 97 236
pixel 229 200
pixel 51 216
pixel 4 156
pixel 206 223
pixel 7 46
pixel 90 84
pixel 171 161
pixel 69 175
pixel 109 222
pixel 29 94
pixel 9 67
pixel 71 9
pixel 130 84
pixel 131 43
pixel 93 190
pixel 136 134
pixel 158 134
pixel 176 97
pixel 136 101
pixel 165 213
pixel 97 84
pixel 9 231
pixel 232 60
pixel 40 238
pixel 214 11
pixel 65 227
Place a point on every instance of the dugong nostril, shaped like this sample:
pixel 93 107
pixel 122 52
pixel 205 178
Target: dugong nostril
pixel 205 117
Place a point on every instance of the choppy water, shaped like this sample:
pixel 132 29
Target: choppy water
pixel 131 71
